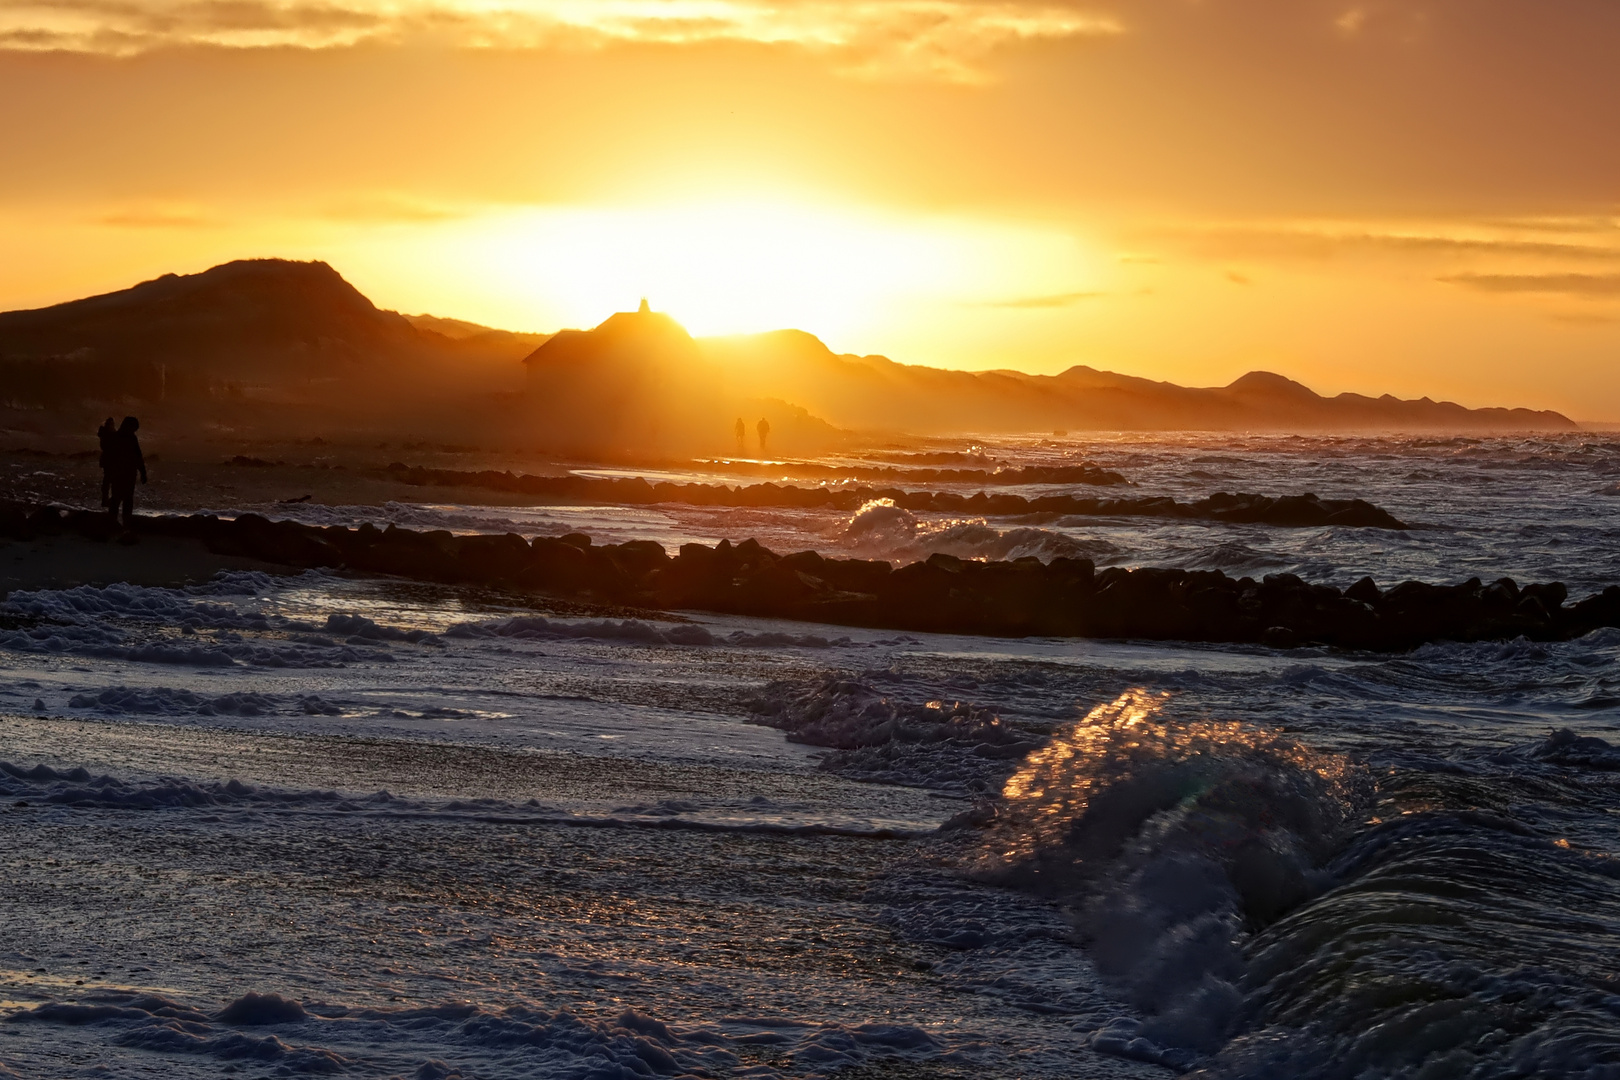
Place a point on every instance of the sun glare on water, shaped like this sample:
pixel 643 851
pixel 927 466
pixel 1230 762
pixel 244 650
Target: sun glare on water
pixel 719 267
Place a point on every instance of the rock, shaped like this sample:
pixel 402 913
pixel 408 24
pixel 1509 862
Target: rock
pixel 492 558
pixel 1279 637
pixel 638 557
pixel 1364 591
pixel 554 566
pixel 1552 595
pixel 943 593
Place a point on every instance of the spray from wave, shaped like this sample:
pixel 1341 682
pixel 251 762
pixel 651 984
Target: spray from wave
pixel 882 530
pixel 1266 910
pixel 1172 842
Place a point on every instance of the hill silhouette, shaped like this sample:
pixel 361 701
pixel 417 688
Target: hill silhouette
pixel 639 385
pixel 876 393
pixel 507 341
pixel 291 347
pixel 265 329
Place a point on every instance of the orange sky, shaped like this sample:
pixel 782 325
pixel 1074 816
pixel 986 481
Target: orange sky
pixel 1414 197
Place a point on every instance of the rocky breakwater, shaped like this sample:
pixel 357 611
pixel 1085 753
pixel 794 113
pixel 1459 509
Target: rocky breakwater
pixel 1296 511
pixel 1066 597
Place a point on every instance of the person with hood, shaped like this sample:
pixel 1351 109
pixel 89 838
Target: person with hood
pixel 105 434
pixel 124 460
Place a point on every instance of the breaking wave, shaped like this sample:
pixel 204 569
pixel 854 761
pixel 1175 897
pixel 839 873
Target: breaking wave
pixel 269 1031
pixel 1267 910
pixel 875 736
pixel 882 530
pixel 166 626
pixel 540 628
pixel 79 788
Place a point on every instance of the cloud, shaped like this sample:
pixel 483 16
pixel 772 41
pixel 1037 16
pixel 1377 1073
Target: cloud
pixel 1350 22
pixel 1242 242
pixel 1584 318
pixel 939 39
pixel 1585 286
pixel 1566 225
pixel 385 208
pixel 158 217
pixel 1055 300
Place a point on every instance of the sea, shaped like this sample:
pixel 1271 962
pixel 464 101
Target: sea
pixel 321 824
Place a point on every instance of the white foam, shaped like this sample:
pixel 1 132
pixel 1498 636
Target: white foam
pixel 882 530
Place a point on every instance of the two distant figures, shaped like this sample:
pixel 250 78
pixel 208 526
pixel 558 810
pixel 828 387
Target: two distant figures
pixel 764 429
pixel 121 460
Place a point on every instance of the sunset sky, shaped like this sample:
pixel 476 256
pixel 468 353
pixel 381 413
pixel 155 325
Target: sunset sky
pixel 1414 197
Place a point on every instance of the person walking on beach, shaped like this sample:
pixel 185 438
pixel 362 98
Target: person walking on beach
pixel 105 434
pixel 124 460
pixel 764 429
pixel 742 437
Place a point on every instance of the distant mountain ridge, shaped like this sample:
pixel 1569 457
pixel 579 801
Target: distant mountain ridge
pixel 861 391
pixel 462 330
pixel 283 344
pixel 876 394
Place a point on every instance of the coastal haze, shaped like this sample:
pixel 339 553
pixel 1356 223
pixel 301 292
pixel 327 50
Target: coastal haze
pixel 865 541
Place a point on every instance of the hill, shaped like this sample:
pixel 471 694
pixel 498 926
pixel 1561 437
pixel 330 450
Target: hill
pixel 291 348
pixel 514 341
pixel 876 393
pixel 259 329
pixel 639 385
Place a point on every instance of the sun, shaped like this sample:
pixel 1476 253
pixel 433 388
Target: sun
pixel 719 266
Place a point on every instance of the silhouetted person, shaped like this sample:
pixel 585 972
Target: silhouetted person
pixel 124 460
pixel 742 437
pixel 105 434
pixel 764 429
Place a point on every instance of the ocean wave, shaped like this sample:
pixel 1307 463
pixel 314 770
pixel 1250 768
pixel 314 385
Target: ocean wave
pixel 1267 910
pixel 113 644
pixel 81 789
pixel 175 606
pixel 606 523
pixel 1173 839
pixel 336 1039
pixel 157 625
pixel 882 530
pixel 461 1039
pixel 873 736
pixel 231 622
pixel 1454 942
pixel 540 628
pixel 1236 558
pixel 176 701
